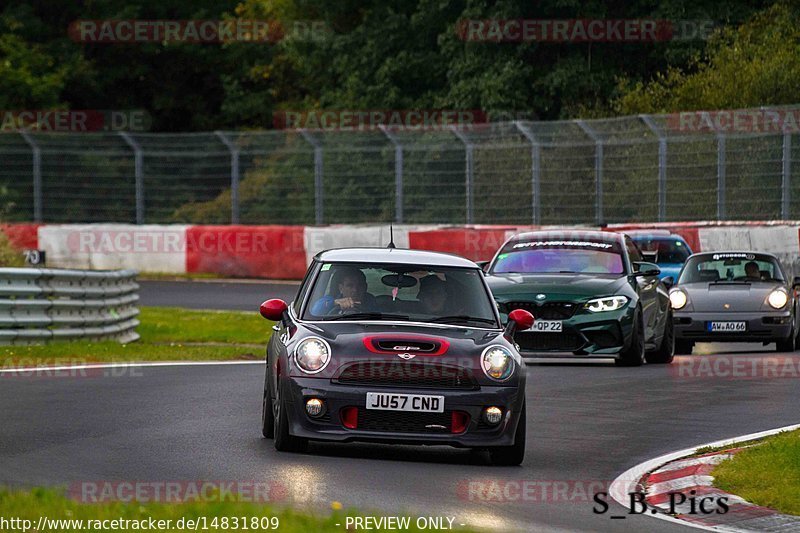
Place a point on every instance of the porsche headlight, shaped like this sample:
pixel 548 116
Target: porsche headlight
pixel 677 299
pixel 497 362
pixel 778 299
pixel 312 355
pixel 610 303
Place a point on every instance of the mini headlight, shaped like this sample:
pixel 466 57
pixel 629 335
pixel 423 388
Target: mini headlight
pixel 312 355
pixel 610 303
pixel 497 362
pixel 777 299
pixel 677 299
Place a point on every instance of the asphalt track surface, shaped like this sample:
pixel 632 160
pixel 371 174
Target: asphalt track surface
pixel 587 423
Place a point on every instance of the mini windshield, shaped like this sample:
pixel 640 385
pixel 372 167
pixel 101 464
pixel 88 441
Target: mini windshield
pixel 552 256
pixel 745 267
pixel 666 249
pixel 348 291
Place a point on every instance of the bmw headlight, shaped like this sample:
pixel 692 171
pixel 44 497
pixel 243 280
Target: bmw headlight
pixel 312 355
pixel 497 362
pixel 677 299
pixel 610 303
pixel 777 299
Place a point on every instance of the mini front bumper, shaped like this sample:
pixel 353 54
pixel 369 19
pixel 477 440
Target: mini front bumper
pixel 585 335
pixel 337 397
pixel 763 326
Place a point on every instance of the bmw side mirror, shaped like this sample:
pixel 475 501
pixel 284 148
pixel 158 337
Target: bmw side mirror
pixel 669 281
pixel 646 269
pixel 273 309
pixel 518 320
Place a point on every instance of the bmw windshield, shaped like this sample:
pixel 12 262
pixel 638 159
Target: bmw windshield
pixel 349 291
pixel 560 256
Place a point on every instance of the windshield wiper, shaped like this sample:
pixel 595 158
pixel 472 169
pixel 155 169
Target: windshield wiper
pixel 463 318
pixel 369 316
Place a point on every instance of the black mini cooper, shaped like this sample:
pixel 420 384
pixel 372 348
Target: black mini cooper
pixel 395 346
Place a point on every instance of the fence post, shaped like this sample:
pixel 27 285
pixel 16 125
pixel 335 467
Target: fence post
pixel 469 170
pixel 37 176
pixel 786 176
pixel 662 165
pixel 721 186
pixel 598 169
pixel 234 150
pixel 536 173
pixel 319 198
pixel 398 173
pixel 138 173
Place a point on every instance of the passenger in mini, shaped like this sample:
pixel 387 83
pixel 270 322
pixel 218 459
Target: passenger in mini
pixel 349 292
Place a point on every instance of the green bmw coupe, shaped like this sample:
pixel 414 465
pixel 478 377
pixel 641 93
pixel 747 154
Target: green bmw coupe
pixel 591 293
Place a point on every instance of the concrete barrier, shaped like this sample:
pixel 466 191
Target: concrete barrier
pixel 283 252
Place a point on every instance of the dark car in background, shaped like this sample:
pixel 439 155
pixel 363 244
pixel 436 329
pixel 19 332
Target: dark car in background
pixel 736 296
pixel 667 250
pixel 395 346
pixel 592 295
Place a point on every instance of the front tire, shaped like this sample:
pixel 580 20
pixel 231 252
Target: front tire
pixel 683 347
pixel 267 416
pixel 284 441
pixel 666 352
pixel 633 355
pixel 514 454
pixel 787 345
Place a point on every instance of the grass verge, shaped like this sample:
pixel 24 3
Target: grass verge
pixel 217 516
pixel 167 334
pixel 767 474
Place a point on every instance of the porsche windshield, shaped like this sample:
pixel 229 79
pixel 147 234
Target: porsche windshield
pixel 349 291
pixel 560 256
pixel 731 267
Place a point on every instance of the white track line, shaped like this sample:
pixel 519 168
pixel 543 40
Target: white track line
pixel 629 479
pixel 158 364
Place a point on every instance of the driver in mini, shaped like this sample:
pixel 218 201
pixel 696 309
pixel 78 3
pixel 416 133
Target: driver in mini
pixel 349 287
pixel 433 295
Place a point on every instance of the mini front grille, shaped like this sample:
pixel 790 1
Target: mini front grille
pixel 404 422
pixel 546 310
pixel 561 342
pixel 401 345
pixel 406 374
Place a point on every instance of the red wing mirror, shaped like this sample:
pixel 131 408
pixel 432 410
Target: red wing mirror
pixel 522 318
pixel 274 309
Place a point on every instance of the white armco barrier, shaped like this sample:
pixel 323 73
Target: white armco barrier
pixel 146 248
pixel 782 241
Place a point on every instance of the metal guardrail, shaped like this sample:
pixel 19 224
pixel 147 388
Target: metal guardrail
pixel 38 305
